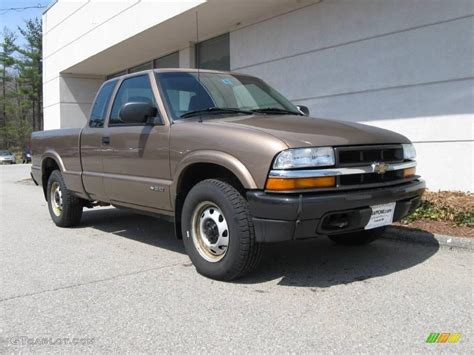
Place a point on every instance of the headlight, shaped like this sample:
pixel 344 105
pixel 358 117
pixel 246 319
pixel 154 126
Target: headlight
pixel 409 152
pixel 304 158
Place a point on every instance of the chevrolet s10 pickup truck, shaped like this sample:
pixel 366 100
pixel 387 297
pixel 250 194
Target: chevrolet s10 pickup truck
pixel 231 161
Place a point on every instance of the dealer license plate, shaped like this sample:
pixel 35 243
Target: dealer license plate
pixel 382 215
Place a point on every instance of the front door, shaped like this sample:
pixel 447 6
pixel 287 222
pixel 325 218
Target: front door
pixel 136 162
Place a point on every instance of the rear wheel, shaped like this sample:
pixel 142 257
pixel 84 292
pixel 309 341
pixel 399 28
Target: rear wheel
pixel 358 238
pixel 64 207
pixel 218 232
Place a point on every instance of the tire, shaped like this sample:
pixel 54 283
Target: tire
pixel 218 232
pixel 64 207
pixel 358 238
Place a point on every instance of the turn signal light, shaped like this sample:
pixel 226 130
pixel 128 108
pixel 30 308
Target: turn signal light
pixel 409 172
pixel 282 184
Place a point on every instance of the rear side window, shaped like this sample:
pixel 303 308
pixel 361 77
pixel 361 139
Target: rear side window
pixel 100 105
pixel 134 89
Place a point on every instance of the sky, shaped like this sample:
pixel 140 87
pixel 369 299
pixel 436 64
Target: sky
pixel 14 18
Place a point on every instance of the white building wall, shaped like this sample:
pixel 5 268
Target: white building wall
pixel 401 65
pixel 75 31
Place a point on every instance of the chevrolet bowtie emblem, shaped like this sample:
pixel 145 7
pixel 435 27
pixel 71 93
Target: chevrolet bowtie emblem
pixel 379 168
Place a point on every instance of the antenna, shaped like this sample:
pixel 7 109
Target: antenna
pixel 197 56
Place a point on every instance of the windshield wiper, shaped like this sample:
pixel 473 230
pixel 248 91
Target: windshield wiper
pixel 216 110
pixel 275 110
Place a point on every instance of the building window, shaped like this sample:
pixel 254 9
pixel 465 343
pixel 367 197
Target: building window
pixel 214 53
pixel 167 61
pixel 144 66
pixel 111 76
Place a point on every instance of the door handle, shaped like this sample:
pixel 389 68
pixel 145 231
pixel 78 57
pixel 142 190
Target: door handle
pixel 105 140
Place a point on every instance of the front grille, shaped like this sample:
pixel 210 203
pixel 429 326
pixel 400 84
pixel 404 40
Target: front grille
pixel 373 178
pixel 366 155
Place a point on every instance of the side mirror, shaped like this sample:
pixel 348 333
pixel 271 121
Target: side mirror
pixel 303 109
pixel 138 112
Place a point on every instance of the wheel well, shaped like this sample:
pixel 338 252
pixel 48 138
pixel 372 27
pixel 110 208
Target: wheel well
pixel 196 173
pixel 48 166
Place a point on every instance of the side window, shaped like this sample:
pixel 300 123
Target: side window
pixel 100 105
pixel 135 89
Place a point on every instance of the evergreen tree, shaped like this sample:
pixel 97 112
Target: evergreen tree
pixel 30 70
pixel 7 62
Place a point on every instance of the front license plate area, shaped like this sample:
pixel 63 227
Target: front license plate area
pixel 382 215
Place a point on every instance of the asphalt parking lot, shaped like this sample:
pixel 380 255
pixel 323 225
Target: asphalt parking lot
pixel 121 282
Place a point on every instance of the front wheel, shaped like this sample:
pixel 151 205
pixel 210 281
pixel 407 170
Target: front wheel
pixel 358 238
pixel 218 232
pixel 64 207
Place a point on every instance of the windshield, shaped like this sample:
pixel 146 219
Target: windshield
pixel 4 153
pixel 185 93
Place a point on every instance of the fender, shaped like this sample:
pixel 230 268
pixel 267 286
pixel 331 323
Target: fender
pixel 55 156
pixel 72 179
pixel 215 157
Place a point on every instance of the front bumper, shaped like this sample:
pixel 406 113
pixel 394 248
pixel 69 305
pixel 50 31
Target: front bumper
pixel 278 217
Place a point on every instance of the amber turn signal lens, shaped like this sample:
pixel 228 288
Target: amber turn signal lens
pixel 279 184
pixel 409 172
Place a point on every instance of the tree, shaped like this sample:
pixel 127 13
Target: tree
pixel 7 62
pixel 30 70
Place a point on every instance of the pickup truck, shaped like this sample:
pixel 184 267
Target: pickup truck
pixel 233 163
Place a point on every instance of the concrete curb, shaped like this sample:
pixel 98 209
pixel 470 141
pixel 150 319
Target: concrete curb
pixel 422 237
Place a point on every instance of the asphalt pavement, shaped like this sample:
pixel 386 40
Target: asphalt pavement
pixel 122 282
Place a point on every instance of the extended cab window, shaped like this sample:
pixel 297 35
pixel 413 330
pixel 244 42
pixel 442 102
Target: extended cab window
pixel 100 105
pixel 134 89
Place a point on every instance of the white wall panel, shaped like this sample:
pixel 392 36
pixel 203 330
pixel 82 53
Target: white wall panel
pixel 335 22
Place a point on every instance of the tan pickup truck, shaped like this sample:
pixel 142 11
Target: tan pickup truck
pixel 231 161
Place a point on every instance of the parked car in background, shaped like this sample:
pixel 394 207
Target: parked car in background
pixel 26 156
pixel 231 161
pixel 6 157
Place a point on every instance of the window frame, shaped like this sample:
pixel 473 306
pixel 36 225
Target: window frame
pixel 107 105
pixel 116 91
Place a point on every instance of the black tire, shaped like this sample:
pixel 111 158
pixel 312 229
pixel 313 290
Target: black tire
pixel 358 238
pixel 243 253
pixel 71 211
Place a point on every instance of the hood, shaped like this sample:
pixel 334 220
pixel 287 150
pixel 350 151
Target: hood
pixel 301 131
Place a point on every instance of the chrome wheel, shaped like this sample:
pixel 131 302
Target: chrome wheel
pixel 210 232
pixel 56 198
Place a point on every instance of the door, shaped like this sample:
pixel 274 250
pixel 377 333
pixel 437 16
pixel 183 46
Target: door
pixel 91 143
pixel 136 163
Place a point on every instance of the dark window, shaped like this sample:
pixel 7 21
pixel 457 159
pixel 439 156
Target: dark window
pixel 167 61
pixel 214 53
pixel 111 76
pixel 100 104
pixel 135 89
pixel 144 66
